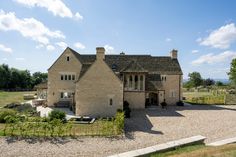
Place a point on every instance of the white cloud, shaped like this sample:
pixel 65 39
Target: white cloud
pixel 28 27
pixel 109 49
pixel 220 38
pixel 50 48
pixel 211 58
pixel 195 51
pixel 78 16
pixel 39 46
pixel 5 49
pixel 57 7
pixel 79 45
pixel 62 45
pixel 5 59
pixel 168 40
pixel 20 59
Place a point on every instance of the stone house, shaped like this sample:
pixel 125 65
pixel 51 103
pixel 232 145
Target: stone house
pixel 97 85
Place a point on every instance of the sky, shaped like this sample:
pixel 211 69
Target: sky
pixel 33 33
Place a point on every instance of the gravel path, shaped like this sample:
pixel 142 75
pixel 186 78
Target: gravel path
pixel 145 128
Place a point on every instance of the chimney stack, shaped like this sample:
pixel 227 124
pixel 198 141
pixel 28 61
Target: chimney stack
pixel 100 53
pixel 174 54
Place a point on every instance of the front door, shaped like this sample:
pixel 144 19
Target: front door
pixel 161 97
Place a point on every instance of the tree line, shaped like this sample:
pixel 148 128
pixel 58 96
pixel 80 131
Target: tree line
pixel 12 78
pixel 195 79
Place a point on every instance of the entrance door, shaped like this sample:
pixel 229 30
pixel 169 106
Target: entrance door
pixel 161 97
pixel 153 98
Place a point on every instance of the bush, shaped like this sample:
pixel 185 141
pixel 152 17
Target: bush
pixel 126 109
pixel 120 121
pixel 6 112
pixel 180 103
pixel 57 114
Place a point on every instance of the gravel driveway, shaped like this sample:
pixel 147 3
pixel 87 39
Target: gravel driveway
pixel 145 128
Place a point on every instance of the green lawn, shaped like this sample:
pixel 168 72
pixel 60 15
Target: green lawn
pixel 204 98
pixel 200 151
pixel 9 97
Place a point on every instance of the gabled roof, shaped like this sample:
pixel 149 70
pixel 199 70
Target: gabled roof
pixel 133 67
pixel 133 63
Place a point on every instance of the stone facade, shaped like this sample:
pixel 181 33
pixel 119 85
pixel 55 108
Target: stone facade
pixel 97 85
pixel 62 67
pixel 99 92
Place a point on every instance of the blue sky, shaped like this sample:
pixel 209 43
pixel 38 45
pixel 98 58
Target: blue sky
pixel 34 33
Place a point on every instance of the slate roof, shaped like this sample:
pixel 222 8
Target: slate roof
pixel 153 82
pixel 152 65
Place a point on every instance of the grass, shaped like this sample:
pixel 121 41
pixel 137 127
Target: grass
pixel 10 97
pixel 208 98
pixel 200 151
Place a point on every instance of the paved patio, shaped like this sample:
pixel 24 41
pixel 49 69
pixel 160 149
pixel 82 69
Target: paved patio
pixel 145 128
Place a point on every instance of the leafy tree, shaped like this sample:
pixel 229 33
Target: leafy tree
pixel 195 79
pixel 39 77
pixel 5 74
pixel 208 82
pixel 219 83
pixel 232 73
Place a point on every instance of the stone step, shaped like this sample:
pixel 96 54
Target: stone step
pixel 162 147
pixel 223 142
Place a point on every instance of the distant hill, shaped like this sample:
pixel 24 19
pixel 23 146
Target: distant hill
pixel 221 80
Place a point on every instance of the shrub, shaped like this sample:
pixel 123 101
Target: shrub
pixel 163 104
pixel 120 121
pixel 126 109
pixel 57 114
pixel 6 112
pixel 180 103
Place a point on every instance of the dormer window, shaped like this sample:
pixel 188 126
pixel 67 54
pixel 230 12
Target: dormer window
pixel 114 67
pixel 68 58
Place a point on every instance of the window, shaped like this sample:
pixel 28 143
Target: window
pixel 69 77
pixel 172 94
pixel 68 58
pixel 73 77
pixel 125 81
pixel 163 78
pixel 65 77
pixel 111 102
pixel 136 82
pixel 61 77
pixel 130 81
pixel 66 95
pixel 141 82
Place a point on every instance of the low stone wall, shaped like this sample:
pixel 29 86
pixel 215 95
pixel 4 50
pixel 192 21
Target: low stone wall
pixel 230 99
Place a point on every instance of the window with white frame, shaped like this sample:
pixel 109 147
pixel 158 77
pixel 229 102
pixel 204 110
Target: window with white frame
pixel 66 95
pixel 134 82
pixel 69 77
pixel 172 93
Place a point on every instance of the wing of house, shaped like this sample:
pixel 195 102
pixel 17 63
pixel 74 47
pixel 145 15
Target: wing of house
pixel 97 85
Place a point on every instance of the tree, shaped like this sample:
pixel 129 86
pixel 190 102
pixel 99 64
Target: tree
pixel 5 74
pixel 219 83
pixel 39 77
pixel 208 82
pixel 195 79
pixel 232 73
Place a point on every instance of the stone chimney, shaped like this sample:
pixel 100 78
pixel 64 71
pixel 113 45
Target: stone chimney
pixel 100 53
pixel 174 54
